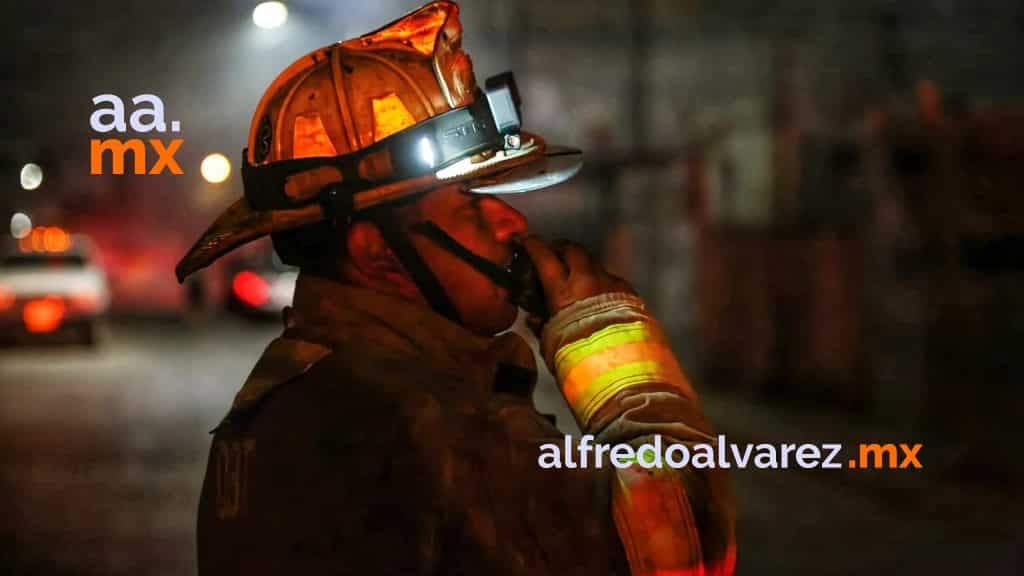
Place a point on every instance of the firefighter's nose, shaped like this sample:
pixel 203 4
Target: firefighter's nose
pixel 506 222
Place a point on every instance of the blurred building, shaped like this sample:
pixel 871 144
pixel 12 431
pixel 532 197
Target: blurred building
pixel 816 197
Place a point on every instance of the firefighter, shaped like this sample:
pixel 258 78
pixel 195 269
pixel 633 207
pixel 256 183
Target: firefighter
pixel 388 430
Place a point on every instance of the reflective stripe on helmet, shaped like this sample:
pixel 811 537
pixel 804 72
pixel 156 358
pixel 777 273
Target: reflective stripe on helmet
pixel 389 116
pixel 309 138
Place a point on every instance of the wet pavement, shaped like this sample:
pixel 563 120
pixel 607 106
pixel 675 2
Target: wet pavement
pixel 103 451
pixel 102 454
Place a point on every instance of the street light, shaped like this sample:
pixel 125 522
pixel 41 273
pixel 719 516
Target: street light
pixel 21 225
pixel 31 176
pixel 215 168
pixel 270 14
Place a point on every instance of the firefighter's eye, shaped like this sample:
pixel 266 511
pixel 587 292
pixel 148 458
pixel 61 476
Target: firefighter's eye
pixel 468 205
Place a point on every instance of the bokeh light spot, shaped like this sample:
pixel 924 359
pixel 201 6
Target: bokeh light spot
pixel 215 168
pixel 21 225
pixel 31 176
pixel 270 14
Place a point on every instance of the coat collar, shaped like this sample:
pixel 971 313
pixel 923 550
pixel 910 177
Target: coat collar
pixel 331 317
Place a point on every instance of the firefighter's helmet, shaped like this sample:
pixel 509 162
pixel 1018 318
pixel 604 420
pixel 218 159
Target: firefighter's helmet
pixel 367 121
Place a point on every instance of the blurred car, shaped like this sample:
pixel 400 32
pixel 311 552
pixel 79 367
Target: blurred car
pixel 261 286
pixel 51 284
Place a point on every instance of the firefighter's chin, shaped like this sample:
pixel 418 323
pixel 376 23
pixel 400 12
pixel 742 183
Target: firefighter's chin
pixel 511 312
pixel 490 313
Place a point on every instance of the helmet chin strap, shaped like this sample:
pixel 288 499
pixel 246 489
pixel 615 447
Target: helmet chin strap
pixel 498 274
pixel 413 263
pixel 524 295
pixel 519 278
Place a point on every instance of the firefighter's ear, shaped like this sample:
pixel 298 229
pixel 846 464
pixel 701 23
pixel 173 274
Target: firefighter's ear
pixel 370 262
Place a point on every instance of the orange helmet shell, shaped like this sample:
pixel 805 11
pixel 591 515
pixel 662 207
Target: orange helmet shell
pixel 344 97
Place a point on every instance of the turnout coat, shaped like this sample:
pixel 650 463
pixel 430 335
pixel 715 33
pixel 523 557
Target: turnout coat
pixel 376 437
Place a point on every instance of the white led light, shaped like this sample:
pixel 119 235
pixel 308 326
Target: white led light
pixel 426 150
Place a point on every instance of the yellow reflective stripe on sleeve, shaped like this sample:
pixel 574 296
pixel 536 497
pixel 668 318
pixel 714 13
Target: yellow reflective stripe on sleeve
pixel 616 361
pixel 572 354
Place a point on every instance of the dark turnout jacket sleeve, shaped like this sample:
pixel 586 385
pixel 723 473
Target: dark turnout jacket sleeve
pixel 615 369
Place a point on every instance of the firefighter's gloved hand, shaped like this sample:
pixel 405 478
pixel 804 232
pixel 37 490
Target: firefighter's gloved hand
pixel 568 274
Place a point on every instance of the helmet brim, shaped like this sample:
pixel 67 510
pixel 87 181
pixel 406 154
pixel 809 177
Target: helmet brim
pixel 537 167
pixel 558 164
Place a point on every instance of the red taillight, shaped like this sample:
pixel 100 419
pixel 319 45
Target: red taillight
pixel 250 288
pixel 43 315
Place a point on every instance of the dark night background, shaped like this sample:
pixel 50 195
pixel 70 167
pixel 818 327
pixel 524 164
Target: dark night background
pixel 821 200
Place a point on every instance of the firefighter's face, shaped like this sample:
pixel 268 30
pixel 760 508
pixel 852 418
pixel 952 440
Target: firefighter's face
pixel 483 224
pixel 486 226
